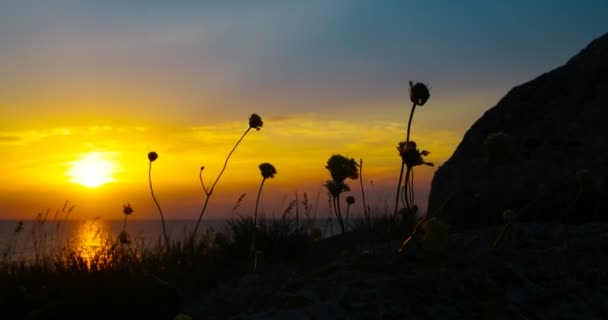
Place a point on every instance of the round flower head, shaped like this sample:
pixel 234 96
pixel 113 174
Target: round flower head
pixel 152 156
pixel 411 155
pixel 267 170
pixel 350 200
pixel 127 209
pixel 255 121
pixel 335 188
pixel 419 93
pixel 341 168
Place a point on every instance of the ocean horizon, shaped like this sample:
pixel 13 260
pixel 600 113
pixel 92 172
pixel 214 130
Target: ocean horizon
pixel 26 239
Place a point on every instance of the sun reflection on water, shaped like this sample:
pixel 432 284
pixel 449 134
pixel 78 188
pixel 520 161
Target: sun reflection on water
pixel 93 242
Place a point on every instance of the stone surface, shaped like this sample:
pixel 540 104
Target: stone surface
pixel 555 127
pixel 544 271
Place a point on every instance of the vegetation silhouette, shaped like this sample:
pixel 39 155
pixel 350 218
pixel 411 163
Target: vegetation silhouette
pixel 340 168
pixel 255 122
pixel 419 95
pixel 268 171
pixel 152 156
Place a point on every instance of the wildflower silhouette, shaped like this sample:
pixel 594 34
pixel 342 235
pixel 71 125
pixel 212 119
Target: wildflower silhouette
pixel 350 200
pixel 123 237
pixel 255 122
pixel 419 95
pixel 411 157
pixel 340 168
pixel 268 171
pixel 152 156
pixel 365 213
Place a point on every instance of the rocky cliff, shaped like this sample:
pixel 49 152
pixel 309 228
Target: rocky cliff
pixel 542 151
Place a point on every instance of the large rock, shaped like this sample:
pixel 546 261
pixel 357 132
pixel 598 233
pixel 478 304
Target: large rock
pixel 554 126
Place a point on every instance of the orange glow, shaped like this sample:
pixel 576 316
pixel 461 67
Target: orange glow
pixel 101 167
pixel 92 242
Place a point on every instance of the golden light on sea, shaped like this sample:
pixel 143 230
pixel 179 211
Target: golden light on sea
pixel 92 242
pixel 92 170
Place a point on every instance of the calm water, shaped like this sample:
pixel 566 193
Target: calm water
pixel 36 238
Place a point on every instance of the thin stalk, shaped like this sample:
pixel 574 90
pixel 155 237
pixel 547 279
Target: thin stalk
pixel 257 201
pixel 336 212
pixel 255 221
pixel 210 191
pixel 124 224
pixel 340 214
pixel 347 213
pixel 409 124
pixel 162 216
pixel 399 188
pixel 200 178
pixel 405 189
pixel 363 190
pixel 411 194
pixel 228 158
pixel 407 140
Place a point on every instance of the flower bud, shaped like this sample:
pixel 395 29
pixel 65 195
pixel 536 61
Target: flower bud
pixel 152 156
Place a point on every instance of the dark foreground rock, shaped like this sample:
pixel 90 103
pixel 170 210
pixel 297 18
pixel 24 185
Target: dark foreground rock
pixel 541 271
pixel 550 129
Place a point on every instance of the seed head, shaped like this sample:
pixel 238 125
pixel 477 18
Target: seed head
pixel 411 155
pixel 336 188
pixel 350 200
pixel 267 170
pixel 255 121
pixel 127 209
pixel 419 93
pixel 341 168
pixel 152 156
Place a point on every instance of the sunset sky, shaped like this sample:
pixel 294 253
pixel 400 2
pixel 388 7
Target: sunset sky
pixel 96 85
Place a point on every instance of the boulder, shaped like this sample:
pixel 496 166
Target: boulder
pixel 542 151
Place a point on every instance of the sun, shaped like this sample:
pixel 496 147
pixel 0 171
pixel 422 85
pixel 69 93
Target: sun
pixel 92 170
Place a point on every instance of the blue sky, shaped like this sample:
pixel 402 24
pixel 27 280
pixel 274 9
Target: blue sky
pixel 290 56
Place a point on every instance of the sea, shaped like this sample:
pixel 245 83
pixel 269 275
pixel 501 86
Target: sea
pixel 28 239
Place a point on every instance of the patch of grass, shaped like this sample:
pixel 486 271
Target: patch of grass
pixel 125 279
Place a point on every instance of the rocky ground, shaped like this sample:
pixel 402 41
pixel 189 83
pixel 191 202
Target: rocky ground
pixel 542 271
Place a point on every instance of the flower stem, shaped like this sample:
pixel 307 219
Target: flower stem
pixel 347 213
pixel 407 140
pixel 409 124
pixel 228 158
pixel 363 191
pixel 255 221
pixel 399 188
pixel 124 225
pixel 340 214
pixel 210 191
pixel 162 216
pixel 406 191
